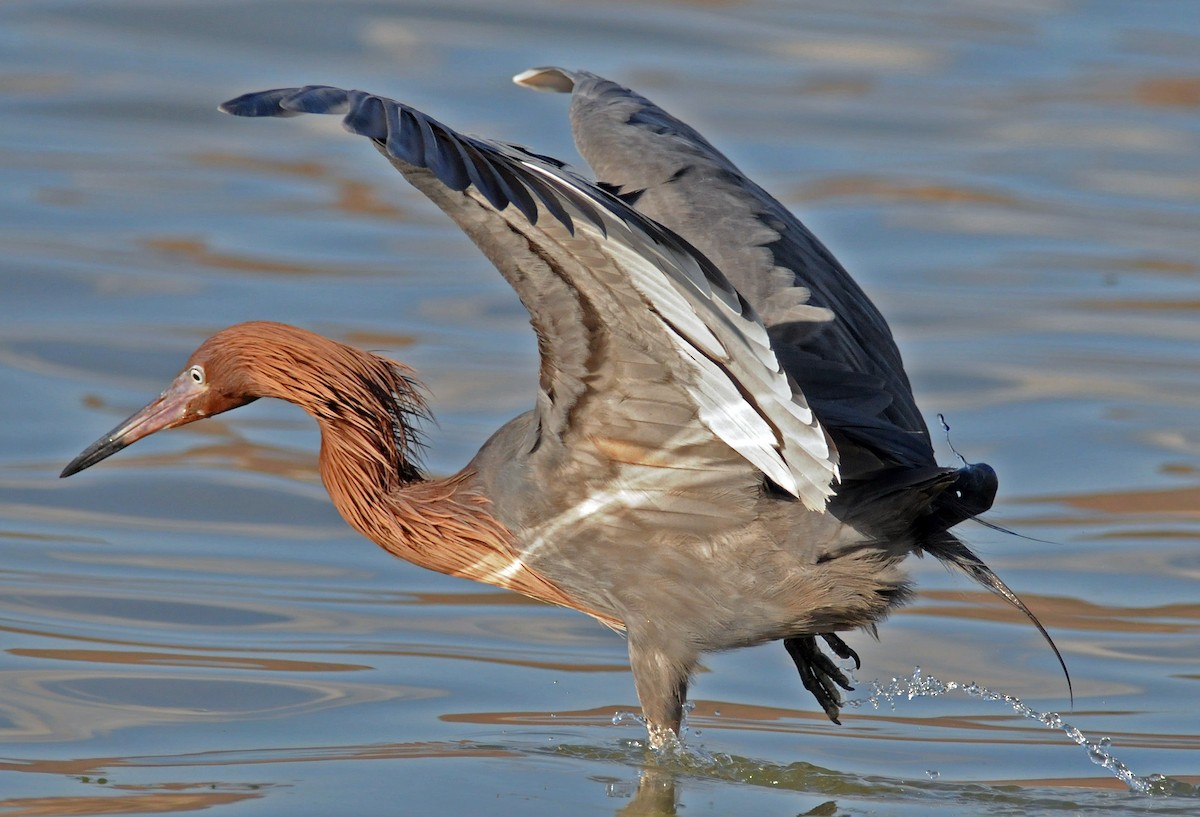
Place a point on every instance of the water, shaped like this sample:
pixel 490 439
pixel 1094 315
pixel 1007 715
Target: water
pixel 190 625
pixel 921 686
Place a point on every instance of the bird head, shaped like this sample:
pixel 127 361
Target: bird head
pixel 211 382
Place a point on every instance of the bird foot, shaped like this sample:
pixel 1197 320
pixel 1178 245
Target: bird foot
pixel 663 738
pixel 842 650
pixel 819 674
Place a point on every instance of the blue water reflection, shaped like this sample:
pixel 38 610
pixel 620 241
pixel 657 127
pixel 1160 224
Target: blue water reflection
pixel 1014 183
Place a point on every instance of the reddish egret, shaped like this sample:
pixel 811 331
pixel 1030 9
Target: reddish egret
pixel 724 448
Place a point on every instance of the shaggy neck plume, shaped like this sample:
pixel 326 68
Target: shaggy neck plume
pixel 366 407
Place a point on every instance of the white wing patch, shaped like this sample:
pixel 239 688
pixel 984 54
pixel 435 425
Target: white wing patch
pixel 728 368
pixel 742 394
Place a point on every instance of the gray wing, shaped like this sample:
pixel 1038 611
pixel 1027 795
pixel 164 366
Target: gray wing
pixel 849 369
pixel 611 294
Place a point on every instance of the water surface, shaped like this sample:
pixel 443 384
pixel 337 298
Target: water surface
pixel 191 626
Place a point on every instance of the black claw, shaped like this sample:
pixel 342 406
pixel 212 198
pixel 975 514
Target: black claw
pixel 842 650
pixel 818 673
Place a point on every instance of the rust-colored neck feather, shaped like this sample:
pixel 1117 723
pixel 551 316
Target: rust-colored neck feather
pixel 366 406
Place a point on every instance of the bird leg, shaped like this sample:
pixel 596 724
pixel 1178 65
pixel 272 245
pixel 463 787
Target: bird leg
pixel 818 673
pixel 661 677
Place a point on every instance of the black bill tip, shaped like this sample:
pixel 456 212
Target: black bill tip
pixel 101 449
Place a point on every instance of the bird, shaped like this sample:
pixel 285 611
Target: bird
pixel 724 448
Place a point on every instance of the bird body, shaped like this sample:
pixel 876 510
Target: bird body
pixel 705 466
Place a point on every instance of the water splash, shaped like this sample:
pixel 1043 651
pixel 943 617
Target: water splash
pixel 624 717
pixel 919 685
pixel 674 746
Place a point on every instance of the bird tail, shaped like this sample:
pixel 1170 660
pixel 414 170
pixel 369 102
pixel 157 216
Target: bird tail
pixel 970 494
pixel 918 506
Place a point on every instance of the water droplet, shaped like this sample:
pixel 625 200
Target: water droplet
pixel 933 774
pixel 625 716
pixel 921 685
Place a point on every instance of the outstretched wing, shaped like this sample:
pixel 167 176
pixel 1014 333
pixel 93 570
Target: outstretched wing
pixel 849 369
pixel 611 294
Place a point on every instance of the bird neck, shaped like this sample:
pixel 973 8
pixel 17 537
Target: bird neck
pixel 365 454
pixel 439 524
pixel 366 407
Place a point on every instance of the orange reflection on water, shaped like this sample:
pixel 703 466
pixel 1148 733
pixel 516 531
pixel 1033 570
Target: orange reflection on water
pixel 353 197
pixel 151 803
pixel 1061 612
pixel 231 452
pixel 1168 92
pixel 860 723
pixel 1166 501
pixel 1109 783
pixel 375 340
pixel 882 187
pixel 196 251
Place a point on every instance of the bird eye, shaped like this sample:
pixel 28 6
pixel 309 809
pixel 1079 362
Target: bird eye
pixel 197 374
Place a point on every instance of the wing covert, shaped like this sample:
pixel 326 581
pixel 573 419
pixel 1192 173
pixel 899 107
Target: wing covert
pixel 601 281
pixel 849 368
